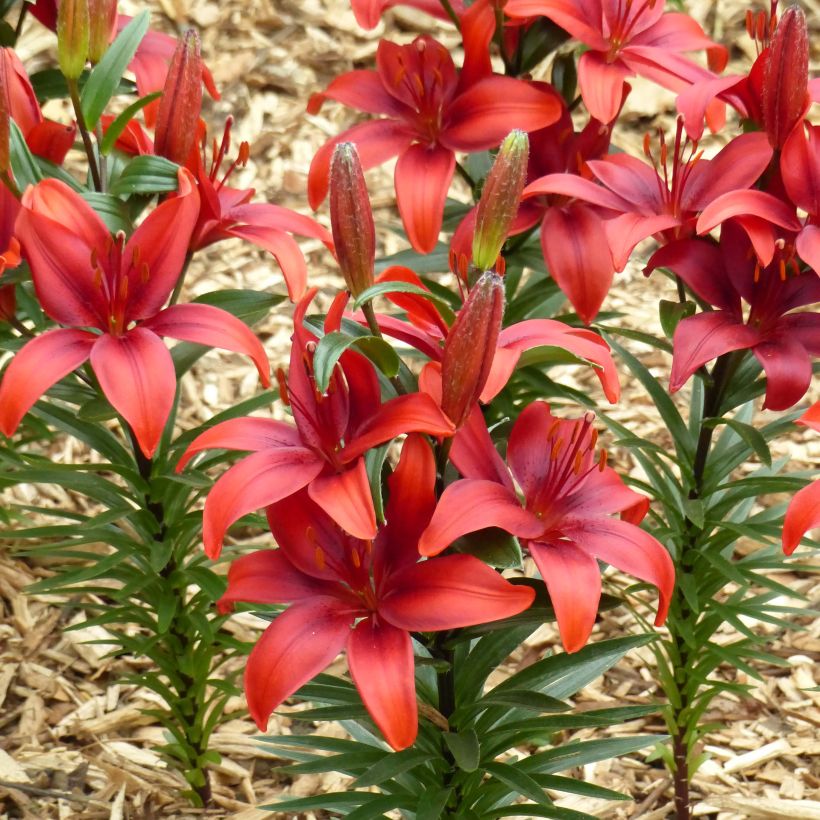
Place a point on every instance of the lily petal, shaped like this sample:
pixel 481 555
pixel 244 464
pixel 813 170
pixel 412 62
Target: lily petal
pixel 423 177
pixel 601 85
pixel 136 373
pixel 255 482
pixel 788 371
pixel 347 499
pixel 574 584
pixel 802 515
pixel 209 325
pixel 381 664
pixel 449 593
pixel 469 505
pixel 299 644
pixel 38 365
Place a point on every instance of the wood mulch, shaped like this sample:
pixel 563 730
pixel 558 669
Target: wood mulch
pixel 74 742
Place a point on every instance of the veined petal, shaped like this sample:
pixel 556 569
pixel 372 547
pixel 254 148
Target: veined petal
pixel 255 482
pixel 574 584
pixel 693 102
pixel 576 249
pixel 569 14
pixel 136 373
pixel 347 499
pixel 626 231
pixel 376 141
pixel 449 593
pixel 38 365
pixel 800 167
pixel 412 413
pixel 802 515
pixel 747 203
pixel 284 248
pixel 703 337
pixel 248 433
pixel 808 247
pixel 268 215
pixel 156 251
pixel 632 179
pixel 604 493
pixel 486 112
pixel 268 577
pixel 630 549
pixel 381 664
pixel 209 325
pixel 572 185
pixel 423 177
pixel 469 505
pixel 787 365
pixel 602 85
pixel 474 453
pixel 60 262
pixel 298 645
pixel 364 90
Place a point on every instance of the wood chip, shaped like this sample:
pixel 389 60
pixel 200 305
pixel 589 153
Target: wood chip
pixel 754 758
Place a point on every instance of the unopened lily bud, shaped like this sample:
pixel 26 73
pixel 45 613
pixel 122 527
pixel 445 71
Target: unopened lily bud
pixel 470 347
pixel 181 102
pixel 351 219
pixel 500 198
pixel 102 27
pixel 72 37
pixel 785 84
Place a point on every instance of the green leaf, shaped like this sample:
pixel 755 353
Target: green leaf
pixel 116 128
pixel 432 803
pixel 374 462
pixel 519 781
pixel 526 699
pixel 110 209
pixel 754 438
pixel 50 84
pixel 333 345
pixel 465 749
pixel 105 76
pixel 579 754
pixel 23 166
pixel 248 305
pixel 146 175
pixel 672 312
pixel 383 288
pixel 491 545
pixel 391 765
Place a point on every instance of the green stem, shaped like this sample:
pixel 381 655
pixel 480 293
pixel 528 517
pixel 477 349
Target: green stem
pixel 18 29
pixel 451 13
pixel 7 180
pixel 442 456
pixel 181 280
pixel 19 327
pixel 373 324
pixel 98 133
pixel 74 93
pixel 464 174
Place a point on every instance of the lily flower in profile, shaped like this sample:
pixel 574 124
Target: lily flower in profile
pixel 365 597
pixel 85 278
pixel 727 275
pixel 324 451
pixel 430 112
pixel 624 38
pixel 565 520
pixel 803 513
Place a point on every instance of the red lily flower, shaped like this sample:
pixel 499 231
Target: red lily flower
pixel 723 275
pixel 324 452
pixel 332 581
pixel 624 38
pixel 86 279
pixel 228 212
pixel 803 513
pixel 431 112
pixel 369 12
pixel 46 138
pixel 663 199
pixel 425 330
pixel 565 518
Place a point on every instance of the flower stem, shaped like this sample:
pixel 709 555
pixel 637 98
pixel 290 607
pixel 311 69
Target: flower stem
pixel 181 280
pixel 451 13
pixel 74 93
pixel 98 133
pixel 373 324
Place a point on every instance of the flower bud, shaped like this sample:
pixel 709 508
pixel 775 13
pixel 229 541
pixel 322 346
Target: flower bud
pixel 470 347
pixel 181 102
pixel 103 26
pixel 785 83
pixel 500 198
pixel 351 219
pixel 72 37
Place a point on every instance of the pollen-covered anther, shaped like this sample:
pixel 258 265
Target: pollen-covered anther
pixel 145 273
pixel 282 381
pixel 355 558
pixel 602 459
pixel 319 557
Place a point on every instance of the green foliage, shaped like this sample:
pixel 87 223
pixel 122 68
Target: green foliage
pixel 472 770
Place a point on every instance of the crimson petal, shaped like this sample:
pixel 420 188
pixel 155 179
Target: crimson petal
pixel 788 371
pixel 209 325
pixel 298 645
pixel 381 664
pixel 347 499
pixel 802 515
pixel 38 365
pixel 601 83
pixel 136 373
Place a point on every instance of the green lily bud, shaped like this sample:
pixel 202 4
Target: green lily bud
pixel 500 198
pixel 72 37
pixel 351 219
